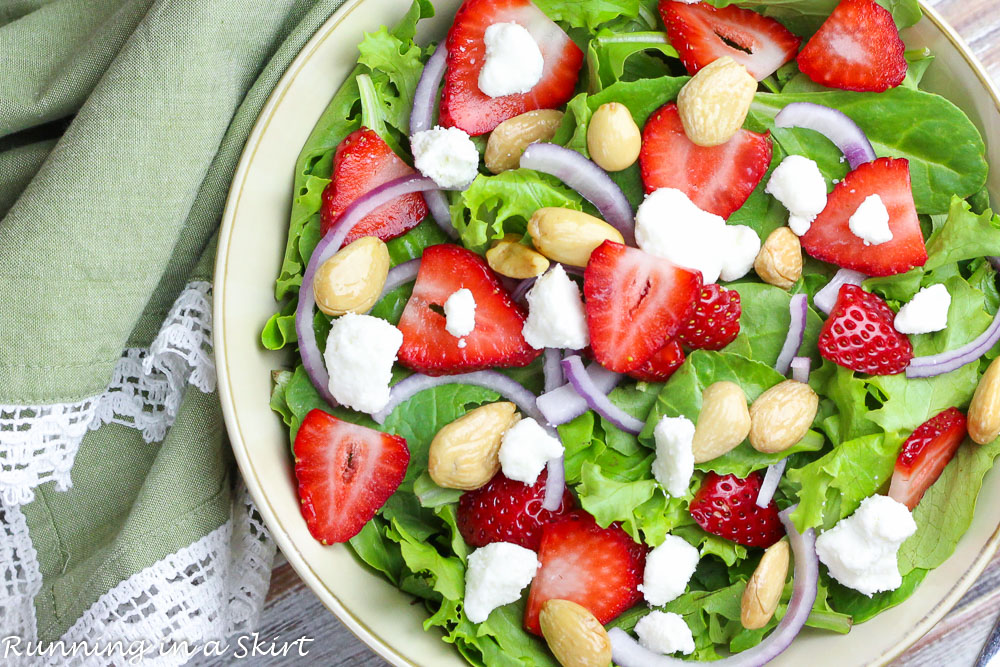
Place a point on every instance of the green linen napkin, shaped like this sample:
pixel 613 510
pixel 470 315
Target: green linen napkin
pixel 121 123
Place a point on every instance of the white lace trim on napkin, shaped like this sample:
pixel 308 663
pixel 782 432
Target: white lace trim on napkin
pixel 39 443
pixel 20 577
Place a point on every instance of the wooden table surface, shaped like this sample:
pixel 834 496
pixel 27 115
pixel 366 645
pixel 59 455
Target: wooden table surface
pixel 292 610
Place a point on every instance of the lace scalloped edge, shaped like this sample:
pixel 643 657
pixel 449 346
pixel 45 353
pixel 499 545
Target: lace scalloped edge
pixel 38 443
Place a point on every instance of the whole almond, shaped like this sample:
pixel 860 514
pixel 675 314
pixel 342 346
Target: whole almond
pixel 509 257
pixel 763 591
pixel 613 138
pixel 781 416
pixel 715 102
pixel 575 637
pixel 779 261
pixel 568 236
pixel 351 281
pixel 465 453
pixel 723 423
pixel 984 411
pixel 509 139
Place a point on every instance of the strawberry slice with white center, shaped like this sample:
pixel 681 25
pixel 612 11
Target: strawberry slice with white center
pixel 925 454
pixel 597 568
pixel 363 162
pixel 702 33
pixel 635 303
pixel 345 473
pixel 857 48
pixel 719 179
pixel 464 105
pixel 496 340
pixel 830 237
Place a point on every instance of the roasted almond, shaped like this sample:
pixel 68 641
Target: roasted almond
pixel 509 257
pixel 465 453
pixel 781 416
pixel 715 102
pixel 575 637
pixel 568 236
pixel 779 261
pixel 509 139
pixel 984 411
pixel 613 138
pixel 763 591
pixel 723 423
pixel 351 281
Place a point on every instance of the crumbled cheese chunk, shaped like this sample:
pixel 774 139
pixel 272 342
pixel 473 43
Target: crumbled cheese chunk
pixel 798 184
pixel 446 155
pixel 870 222
pixel 514 63
pixel 665 632
pixel 669 225
pixel 460 313
pixel 861 550
pixel 360 352
pixel 927 311
pixel 674 463
pixel 668 570
pixel 496 575
pixel 525 449
pixel 741 248
pixel 556 317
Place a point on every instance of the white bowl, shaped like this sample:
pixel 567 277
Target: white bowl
pixel 253 234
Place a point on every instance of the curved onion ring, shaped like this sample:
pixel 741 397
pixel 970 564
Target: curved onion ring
pixel 770 483
pixel 498 382
pixel 626 652
pixel 832 124
pixel 312 358
pixel 588 179
pixel 421 117
pixel 555 483
pixel 799 308
pixel 596 399
pixel 945 362
pixel 564 404
pixel 826 298
pixel 800 369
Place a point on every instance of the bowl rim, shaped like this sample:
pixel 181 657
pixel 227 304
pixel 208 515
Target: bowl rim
pixel 281 535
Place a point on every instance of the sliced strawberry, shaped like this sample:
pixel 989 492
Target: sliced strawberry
pixel 597 568
pixel 831 240
pixel 859 334
pixel 363 162
pixel 925 454
pixel 345 473
pixel 635 303
pixel 726 506
pixel 496 339
pixel 506 510
pixel 715 320
pixel 463 105
pixel 702 33
pixel 660 366
pixel 718 179
pixel 857 48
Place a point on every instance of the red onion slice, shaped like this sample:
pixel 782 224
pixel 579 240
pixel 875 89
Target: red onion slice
pixel 800 369
pixel 945 362
pixel 312 358
pixel 555 484
pixel 552 369
pixel 521 291
pixel 832 124
pixel 564 404
pixel 826 298
pixel 426 93
pixel 995 262
pixel 509 388
pixel 437 203
pixel 400 275
pixel 595 398
pixel 799 308
pixel 627 652
pixel 588 179
pixel 770 483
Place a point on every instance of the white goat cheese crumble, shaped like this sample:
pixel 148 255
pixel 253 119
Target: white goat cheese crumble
pixel 870 222
pixel 927 311
pixel 668 570
pixel 798 184
pixel 669 225
pixel 674 463
pixel 861 550
pixel 496 575
pixel 445 155
pixel 525 449
pixel 665 632
pixel 514 63
pixel 360 352
pixel 556 317
pixel 460 313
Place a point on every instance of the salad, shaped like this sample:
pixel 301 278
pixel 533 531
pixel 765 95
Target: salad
pixel 634 329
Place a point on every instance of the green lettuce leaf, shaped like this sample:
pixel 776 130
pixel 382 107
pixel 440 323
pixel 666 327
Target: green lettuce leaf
pixel 588 14
pixel 964 235
pixel 764 323
pixel 609 52
pixel 804 17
